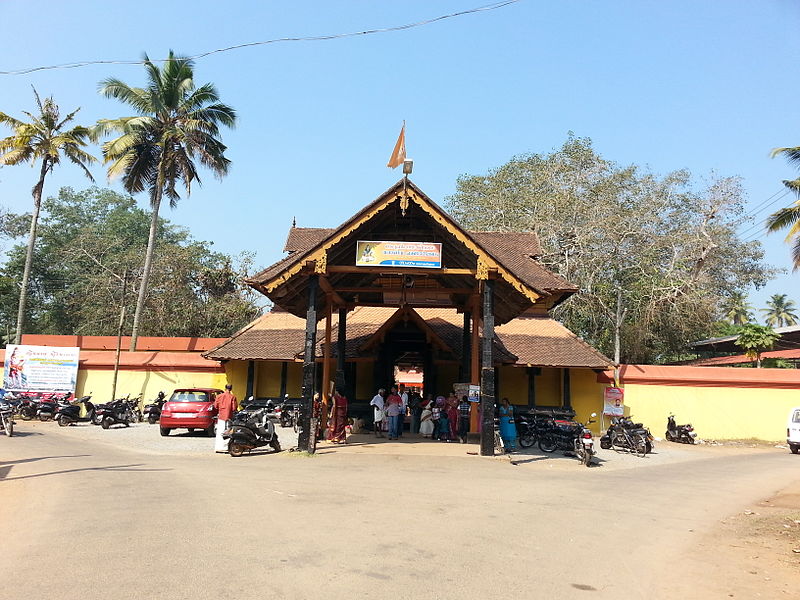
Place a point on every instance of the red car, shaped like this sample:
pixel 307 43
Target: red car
pixel 189 408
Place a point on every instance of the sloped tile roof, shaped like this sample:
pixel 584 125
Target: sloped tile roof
pixel 535 341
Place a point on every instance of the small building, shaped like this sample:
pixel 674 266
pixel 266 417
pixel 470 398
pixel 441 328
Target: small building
pixel 400 286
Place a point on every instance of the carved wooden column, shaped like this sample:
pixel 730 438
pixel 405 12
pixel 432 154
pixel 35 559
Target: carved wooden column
pixel 487 371
pixel 341 340
pixel 306 435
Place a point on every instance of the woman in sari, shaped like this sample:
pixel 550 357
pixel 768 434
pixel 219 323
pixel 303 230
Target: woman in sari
pixel 426 421
pixel 336 432
pixel 452 416
pixel 508 429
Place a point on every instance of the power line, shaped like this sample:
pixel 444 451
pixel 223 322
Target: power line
pixel 315 38
pixel 758 229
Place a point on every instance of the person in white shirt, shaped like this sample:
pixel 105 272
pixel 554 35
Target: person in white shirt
pixel 404 397
pixel 378 404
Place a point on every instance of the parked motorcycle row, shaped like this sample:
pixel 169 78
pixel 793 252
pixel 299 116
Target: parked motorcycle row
pixel 557 430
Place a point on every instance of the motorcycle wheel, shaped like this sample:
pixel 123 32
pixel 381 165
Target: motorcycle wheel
pixel 9 428
pixel 527 440
pixel 275 444
pixel 639 445
pixel 96 419
pixel 152 420
pixel 235 449
pixel 107 422
pixel 44 417
pixel 669 437
pixel 689 440
pixel 649 447
pixel 547 444
pixel 25 415
pixel 586 459
pixel 499 446
pixel 63 421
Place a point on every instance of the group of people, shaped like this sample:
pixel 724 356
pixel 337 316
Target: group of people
pixel 444 419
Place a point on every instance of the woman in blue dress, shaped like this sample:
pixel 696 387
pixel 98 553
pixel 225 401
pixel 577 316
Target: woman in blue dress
pixel 508 430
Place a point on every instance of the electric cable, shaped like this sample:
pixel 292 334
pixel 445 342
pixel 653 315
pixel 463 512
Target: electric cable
pixel 314 38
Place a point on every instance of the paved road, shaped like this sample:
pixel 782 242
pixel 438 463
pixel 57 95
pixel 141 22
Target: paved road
pixel 85 519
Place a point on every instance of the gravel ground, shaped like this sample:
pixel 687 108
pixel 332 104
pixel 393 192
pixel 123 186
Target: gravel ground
pixel 145 438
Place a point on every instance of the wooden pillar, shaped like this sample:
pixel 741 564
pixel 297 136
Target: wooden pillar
pixel 475 348
pixel 251 375
pixel 326 354
pixel 466 352
pixel 487 371
pixel 531 371
pixel 567 400
pixel 284 377
pixel 341 341
pixel 306 435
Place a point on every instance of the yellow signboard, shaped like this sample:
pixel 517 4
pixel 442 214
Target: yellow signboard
pixel 399 254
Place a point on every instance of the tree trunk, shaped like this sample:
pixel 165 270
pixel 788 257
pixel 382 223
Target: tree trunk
pixel 148 263
pixel 26 274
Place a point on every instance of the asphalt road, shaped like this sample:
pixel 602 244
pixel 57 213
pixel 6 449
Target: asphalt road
pixel 85 519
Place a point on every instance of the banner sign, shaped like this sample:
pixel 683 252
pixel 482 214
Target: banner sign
pixel 613 404
pixel 399 254
pixel 472 392
pixel 40 369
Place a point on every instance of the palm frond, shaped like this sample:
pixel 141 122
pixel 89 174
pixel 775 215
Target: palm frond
pixel 785 217
pixel 791 154
pixel 9 120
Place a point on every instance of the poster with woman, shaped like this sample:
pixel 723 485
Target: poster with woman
pixel 40 369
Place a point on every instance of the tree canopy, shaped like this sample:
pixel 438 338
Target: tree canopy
pixel 87 241
pixel 656 257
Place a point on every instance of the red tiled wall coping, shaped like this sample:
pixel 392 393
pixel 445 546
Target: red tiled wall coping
pixel 704 376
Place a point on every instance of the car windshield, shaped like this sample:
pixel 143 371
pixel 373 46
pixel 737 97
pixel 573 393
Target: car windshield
pixel 796 417
pixel 186 396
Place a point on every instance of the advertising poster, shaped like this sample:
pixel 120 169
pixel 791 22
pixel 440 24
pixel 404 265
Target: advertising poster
pixel 472 392
pixel 399 254
pixel 613 402
pixel 40 369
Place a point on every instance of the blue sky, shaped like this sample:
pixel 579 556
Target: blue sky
pixel 708 86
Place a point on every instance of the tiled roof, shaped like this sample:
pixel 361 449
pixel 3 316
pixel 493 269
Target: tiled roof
pixel 301 239
pixel 742 359
pixel 535 341
pixel 544 342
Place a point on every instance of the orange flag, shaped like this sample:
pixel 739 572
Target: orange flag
pixel 399 152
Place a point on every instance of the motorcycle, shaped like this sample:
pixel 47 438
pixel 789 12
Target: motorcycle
pixel 116 412
pixel 152 411
pixel 69 413
pixel 251 429
pixel 625 434
pixel 7 410
pixel 530 425
pixel 28 407
pixel 570 436
pixel 679 433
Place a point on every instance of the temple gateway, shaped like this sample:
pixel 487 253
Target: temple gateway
pixel 400 292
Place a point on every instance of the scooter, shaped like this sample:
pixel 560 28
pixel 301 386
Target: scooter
pixel 679 433
pixel 69 413
pixel 250 430
pixel 118 411
pixel 7 417
pixel 152 411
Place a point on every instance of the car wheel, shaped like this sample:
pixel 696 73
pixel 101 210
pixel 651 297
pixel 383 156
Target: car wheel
pixel 191 429
pixel 210 431
pixel 795 449
pixel 164 431
pixel 235 449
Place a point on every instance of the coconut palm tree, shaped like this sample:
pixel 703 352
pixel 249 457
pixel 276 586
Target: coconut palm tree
pixel 737 310
pixel 789 217
pixel 176 124
pixel 44 138
pixel 779 311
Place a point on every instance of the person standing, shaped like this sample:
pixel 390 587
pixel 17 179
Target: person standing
pixel 436 415
pixel 378 404
pixel 464 409
pixel 394 405
pixel 337 433
pixel 452 416
pixel 225 405
pixel 404 399
pixel 416 411
pixel 426 421
pixel 508 429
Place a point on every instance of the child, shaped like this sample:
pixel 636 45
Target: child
pixel 444 426
pixel 436 414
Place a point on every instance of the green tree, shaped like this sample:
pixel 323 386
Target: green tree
pixel 756 339
pixel 779 311
pixel 654 256
pixel 738 310
pixel 789 217
pixel 176 125
pixel 44 138
pixel 88 237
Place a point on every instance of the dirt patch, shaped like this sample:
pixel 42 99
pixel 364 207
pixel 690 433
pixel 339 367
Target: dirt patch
pixel 754 553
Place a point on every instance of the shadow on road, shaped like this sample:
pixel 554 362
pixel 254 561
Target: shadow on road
pixel 120 468
pixel 27 460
